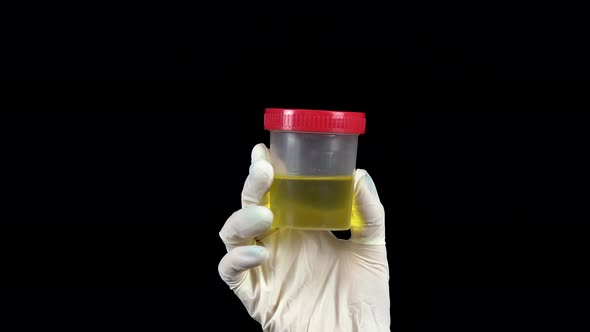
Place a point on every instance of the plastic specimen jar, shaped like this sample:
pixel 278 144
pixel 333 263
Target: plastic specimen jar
pixel 313 154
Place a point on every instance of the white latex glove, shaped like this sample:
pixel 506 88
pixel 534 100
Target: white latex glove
pixel 294 280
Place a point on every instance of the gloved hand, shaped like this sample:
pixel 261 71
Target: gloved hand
pixel 294 280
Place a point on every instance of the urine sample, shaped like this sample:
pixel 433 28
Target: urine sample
pixel 313 153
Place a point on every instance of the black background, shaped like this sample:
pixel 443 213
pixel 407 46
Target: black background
pixel 224 41
pixel 103 227
pixel 484 182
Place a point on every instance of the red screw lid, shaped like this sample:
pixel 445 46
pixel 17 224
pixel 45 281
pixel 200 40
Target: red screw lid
pixel 314 121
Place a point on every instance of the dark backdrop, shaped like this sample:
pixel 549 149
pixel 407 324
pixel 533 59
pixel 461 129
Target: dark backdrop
pixel 485 190
pixel 484 183
pixel 216 39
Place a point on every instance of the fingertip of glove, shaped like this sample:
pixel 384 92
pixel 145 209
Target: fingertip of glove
pixel 256 252
pixel 364 180
pixel 262 252
pixel 360 177
pixel 260 152
pixel 261 215
pixel 360 173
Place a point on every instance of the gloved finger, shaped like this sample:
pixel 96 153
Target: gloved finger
pixel 244 225
pixel 235 263
pixel 260 152
pixel 259 178
pixel 367 224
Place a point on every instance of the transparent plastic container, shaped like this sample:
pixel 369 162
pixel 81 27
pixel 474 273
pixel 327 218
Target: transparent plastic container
pixel 313 154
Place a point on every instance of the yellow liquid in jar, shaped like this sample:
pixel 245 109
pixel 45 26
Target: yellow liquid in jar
pixel 312 202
